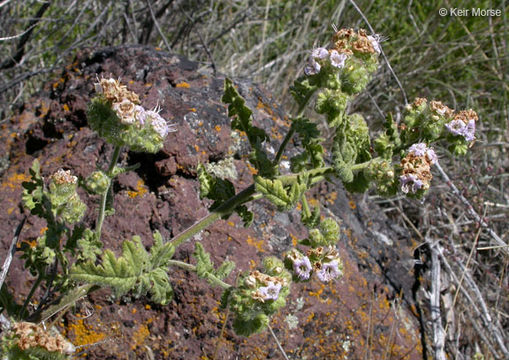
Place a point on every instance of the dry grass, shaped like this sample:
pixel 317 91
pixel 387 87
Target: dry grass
pixel 461 60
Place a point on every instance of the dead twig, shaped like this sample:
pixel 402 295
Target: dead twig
pixel 503 246
pixel 436 317
pixel 20 49
pixel 10 253
pixel 278 344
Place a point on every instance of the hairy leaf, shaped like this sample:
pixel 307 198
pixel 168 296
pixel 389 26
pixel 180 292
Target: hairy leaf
pixel 135 270
pixel 241 121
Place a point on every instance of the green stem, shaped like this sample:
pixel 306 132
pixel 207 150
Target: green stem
pixel 305 206
pixel 286 140
pixel 64 302
pixel 30 294
pixel 290 133
pixel 361 166
pixel 104 196
pixel 215 280
pixel 244 196
pixel 225 209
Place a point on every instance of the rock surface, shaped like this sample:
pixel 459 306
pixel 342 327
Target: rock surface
pixel 368 314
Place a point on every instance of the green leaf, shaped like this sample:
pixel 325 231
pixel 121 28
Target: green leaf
pixel 135 270
pixel 241 115
pixel 246 215
pixel 161 252
pixel 224 270
pixel 8 302
pixel 302 91
pixel 313 220
pixel 276 193
pixel 204 265
pixel 251 326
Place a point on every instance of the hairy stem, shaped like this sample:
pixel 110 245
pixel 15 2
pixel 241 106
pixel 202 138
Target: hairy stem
pixel 305 206
pixel 289 135
pixel 30 294
pixel 104 196
pixel 64 302
pixel 213 279
pixel 225 209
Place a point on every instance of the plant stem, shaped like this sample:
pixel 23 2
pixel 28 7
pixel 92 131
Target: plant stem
pixel 225 209
pixel 289 134
pixel 104 196
pixel 211 277
pixel 286 140
pixel 65 301
pixel 305 206
pixel 362 166
pixel 30 294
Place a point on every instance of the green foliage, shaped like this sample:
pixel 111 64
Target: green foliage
pixel 205 268
pixel 241 115
pixel 219 190
pixel 33 353
pixel 284 198
pixel 302 91
pixel 138 270
pixel 326 234
pixel 309 135
pixel 249 300
pixel 103 120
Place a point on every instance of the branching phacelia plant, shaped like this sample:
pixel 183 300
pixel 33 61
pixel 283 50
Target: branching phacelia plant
pixel 69 258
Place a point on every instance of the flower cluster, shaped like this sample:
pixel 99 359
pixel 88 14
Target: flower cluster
pixel 432 121
pixel 324 261
pixel 348 62
pixel 265 287
pixel 463 124
pixel 416 169
pixel 30 335
pixel 116 114
pixel 259 295
pixel 64 199
pixel 349 41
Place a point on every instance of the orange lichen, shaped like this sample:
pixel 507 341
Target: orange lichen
pixel 257 244
pixel 139 336
pixel 217 128
pixel 331 197
pixel 183 84
pixel 262 106
pixel 14 181
pixel 352 204
pixel 148 307
pixel 252 170
pixel 294 240
pixel 141 190
pixel 65 107
pixel 84 334
pixel 194 110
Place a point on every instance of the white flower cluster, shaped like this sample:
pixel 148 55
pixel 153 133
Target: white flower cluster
pixel 125 103
pixel 320 56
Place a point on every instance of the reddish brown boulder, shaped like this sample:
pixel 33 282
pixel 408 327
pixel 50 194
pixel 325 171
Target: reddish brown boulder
pixel 368 314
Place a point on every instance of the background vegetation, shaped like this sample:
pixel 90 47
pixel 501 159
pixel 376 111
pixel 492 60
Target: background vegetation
pixel 462 61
